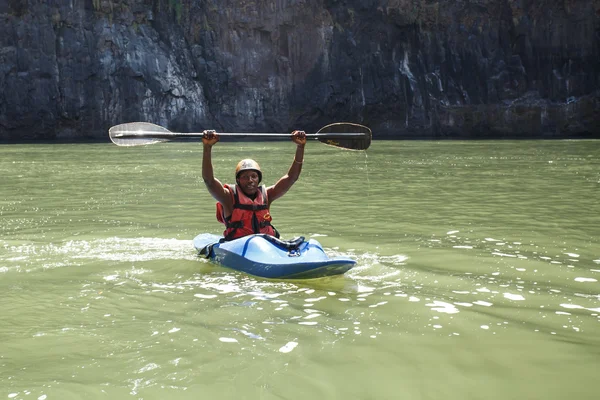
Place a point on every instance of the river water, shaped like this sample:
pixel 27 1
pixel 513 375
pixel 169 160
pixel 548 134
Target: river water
pixel 477 277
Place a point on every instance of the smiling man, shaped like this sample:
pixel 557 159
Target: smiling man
pixel 244 206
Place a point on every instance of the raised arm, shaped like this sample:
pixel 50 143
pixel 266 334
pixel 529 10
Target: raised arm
pixel 214 186
pixel 285 182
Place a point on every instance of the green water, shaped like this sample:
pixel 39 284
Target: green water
pixel 477 276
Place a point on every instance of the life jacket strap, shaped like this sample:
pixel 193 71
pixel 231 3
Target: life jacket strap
pixel 252 207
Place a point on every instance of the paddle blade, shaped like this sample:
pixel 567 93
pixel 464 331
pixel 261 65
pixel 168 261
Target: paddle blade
pixel 340 135
pixel 138 134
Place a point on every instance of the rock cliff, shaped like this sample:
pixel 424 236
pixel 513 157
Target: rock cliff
pixel 406 68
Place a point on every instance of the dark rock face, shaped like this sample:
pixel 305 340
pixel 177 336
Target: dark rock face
pixel 406 68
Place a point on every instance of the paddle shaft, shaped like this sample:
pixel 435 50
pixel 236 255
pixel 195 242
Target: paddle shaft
pixel 340 134
pixel 172 135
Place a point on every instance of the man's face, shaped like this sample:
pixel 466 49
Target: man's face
pixel 248 181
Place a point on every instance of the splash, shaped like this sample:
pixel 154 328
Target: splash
pixel 32 256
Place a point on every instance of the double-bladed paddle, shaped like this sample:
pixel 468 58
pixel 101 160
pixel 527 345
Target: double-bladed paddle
pixel 340 134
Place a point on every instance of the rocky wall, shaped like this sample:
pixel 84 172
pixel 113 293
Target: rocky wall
pixel 406 68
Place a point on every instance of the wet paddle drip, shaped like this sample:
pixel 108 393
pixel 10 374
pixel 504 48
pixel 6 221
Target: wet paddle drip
pixel 368 181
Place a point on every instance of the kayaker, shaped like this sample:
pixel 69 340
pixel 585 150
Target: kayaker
pixel 244 206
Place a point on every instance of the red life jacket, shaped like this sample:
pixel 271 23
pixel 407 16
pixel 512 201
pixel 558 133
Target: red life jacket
pixel 248 216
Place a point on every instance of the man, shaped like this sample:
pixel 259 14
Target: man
pixel 244 207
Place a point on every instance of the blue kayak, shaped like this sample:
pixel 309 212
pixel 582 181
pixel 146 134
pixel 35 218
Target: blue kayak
pixel 269 257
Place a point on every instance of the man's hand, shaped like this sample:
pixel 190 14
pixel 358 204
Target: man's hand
pixel 210 138
pixel 299 137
